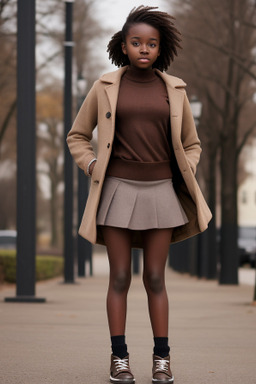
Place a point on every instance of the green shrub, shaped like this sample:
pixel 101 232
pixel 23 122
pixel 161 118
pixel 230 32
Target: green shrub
pixel 47 267
pixel 8 264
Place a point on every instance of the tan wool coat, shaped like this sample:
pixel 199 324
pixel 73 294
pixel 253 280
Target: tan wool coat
pixel 99 109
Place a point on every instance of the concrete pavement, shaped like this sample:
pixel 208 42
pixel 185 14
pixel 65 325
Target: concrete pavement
pixel 246 275
pixel 66 340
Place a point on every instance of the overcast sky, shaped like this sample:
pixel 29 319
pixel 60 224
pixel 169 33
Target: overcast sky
pixel 114 12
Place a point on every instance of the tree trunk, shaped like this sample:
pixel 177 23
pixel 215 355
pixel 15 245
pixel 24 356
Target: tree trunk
pixel 228 241
pixel 53 203
pixel 229 230
pixel 211 267
pixel 7 119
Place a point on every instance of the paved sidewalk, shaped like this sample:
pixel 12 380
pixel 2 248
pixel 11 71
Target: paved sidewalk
pixel 66 340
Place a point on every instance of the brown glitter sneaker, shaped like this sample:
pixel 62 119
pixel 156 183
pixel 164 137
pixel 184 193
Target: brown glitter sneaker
pixel 161 372
pixel 120 371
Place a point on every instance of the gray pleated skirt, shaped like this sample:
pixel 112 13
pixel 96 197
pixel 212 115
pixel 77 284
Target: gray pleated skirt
pixel 140 205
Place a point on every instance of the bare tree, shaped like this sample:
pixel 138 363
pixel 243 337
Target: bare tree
pixel 50 35
pixel 7 68
pixel 50 151
pixel 218 62
pixel 8 203
pixel 86 31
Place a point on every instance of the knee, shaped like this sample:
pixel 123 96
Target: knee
pixel 121 282
pixel 153 282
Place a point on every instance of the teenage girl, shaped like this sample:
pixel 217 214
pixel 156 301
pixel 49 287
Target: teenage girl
pixel 143 189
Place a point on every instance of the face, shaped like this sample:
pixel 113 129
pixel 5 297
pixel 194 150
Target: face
pixel 142 46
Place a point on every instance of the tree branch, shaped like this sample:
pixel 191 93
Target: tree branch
pixel 245 138
pixel 7 119
pixel 48 60
pixel 227 53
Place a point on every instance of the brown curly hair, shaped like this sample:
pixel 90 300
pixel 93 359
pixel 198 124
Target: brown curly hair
pixel 162 21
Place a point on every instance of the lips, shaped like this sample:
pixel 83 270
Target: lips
pixel 143 59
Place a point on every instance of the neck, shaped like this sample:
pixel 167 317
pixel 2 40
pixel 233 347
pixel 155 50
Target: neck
pixel 140 74
pixel 140 70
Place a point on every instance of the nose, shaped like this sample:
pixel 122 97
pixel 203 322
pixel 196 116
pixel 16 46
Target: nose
pixel 144 48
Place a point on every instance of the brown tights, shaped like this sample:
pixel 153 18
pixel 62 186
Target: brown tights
pixel 155 250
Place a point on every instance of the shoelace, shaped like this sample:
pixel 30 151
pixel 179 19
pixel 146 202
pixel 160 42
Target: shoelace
pixel 162 365
pixel 121 364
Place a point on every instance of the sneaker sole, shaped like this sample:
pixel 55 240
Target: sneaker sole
pixel 120 381
pixel 156 381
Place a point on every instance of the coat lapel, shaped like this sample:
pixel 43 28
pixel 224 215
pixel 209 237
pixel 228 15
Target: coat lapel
pixel 112 94
pixel 176 107
pixel 112 81
pixel 176 99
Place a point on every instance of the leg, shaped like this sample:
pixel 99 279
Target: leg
pixel 156 246
pixel 118 242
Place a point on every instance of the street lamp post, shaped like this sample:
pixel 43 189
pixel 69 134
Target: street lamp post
pixel 68 163
pixel 196 244
pixel 186 256
pixel 26 159
pixel 84 247
pixel 207 249
pixel 136 261
pixel 206 242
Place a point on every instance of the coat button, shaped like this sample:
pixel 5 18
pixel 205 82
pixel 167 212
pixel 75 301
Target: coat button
pixel 108 145
pixel 108 115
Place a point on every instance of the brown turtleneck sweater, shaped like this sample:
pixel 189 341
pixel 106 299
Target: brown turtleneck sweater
pixel 141 150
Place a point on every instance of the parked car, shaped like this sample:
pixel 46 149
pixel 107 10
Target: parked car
pixel 8 239
pixel 246 257
pixel 247 246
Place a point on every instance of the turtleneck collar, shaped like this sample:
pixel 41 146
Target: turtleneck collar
pixel 140 76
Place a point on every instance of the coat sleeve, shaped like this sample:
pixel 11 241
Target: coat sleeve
pixel 189 137
pixel 80 136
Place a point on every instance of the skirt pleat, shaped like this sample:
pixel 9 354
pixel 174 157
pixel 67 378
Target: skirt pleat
pixel 140 205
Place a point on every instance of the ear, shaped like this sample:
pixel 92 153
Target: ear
pixel 123 45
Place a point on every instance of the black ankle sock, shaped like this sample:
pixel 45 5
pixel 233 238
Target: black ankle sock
pixel 161 347
pixel 119 348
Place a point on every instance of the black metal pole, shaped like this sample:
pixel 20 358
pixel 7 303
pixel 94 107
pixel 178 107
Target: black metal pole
pixel 207 254
pixel 84 247
pixel 179 256
pixel 136 261
pixel 68 163
pixel 26 159
pixel 254 262
pixel 254 293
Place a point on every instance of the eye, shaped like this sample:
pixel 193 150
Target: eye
pixel 152 45
pixel 135 43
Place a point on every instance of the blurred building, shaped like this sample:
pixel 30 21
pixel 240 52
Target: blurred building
pixel 247 190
